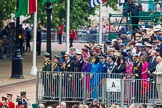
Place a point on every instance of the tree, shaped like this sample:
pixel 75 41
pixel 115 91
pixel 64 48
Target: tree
pixel 79 12
pixel 7 7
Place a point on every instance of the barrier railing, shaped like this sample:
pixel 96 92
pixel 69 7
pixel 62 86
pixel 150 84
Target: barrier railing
pixel 121 89
pixel 81 37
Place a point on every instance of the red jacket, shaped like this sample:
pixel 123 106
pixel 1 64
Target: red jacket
pixel 11 104
pixel 72 34
pixel 1 104
pixel 60 31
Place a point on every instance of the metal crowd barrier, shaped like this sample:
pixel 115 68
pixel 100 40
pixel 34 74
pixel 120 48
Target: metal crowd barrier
pixel 120 89
pixel 81 37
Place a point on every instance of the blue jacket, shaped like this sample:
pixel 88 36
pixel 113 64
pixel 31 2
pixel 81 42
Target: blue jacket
pixel 103 67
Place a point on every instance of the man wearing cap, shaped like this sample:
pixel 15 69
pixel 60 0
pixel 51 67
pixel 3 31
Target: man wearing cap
pixel 99 50
pixel 107 45
pixel 137 67
pixel 46 73
pixel 77 67
pixel 4 103
pixel 138 37
pixel 148 49
pixel 102 70
pixel 72 53
pixel 10 103
pixel 67 75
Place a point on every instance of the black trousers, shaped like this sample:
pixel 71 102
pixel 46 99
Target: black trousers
pixel 27 45
pixel 38 48
pixel 135 22
pixel 71 42
pixel 137 88
pixel 60 38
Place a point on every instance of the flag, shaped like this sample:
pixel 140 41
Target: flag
pixel 26 7
pixel 45 1
pixel 94 3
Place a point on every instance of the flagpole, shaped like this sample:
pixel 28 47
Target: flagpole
pixel 100 20
pixel 34 68
pixel 67 25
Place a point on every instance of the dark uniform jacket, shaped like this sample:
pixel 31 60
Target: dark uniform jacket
pixel 46 70
pixel 137 69
pixel 77 65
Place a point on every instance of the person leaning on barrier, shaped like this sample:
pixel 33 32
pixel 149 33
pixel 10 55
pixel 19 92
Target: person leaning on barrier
pixel 77 67
pixel 66 66
pixel 137 74
pixel 46 73
pixel 158 73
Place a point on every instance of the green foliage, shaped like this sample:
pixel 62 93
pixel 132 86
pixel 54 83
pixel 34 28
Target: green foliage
pixel 7 7
pixel 79 11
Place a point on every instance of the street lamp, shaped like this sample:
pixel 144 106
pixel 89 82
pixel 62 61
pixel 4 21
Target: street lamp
pixel 49 11
pixel 17 66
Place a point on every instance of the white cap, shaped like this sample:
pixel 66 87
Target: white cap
pixel 78 52
pixel 138 44
pixel 148 44
pixel 157 28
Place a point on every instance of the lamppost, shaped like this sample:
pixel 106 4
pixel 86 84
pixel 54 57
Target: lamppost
pixel 49 11
pixel 17 66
